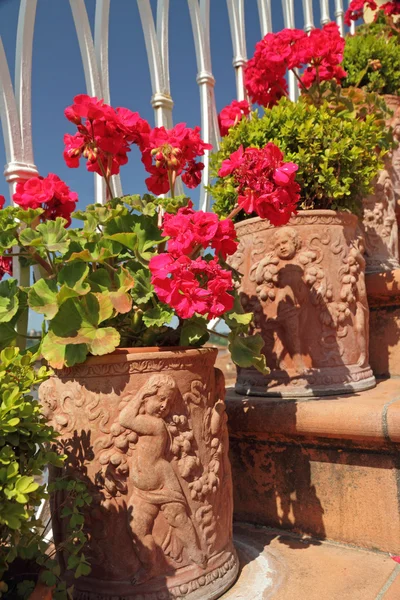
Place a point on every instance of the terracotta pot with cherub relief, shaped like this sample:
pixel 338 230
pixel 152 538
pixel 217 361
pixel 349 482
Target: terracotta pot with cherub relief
pixel 145 429
pixel 305 284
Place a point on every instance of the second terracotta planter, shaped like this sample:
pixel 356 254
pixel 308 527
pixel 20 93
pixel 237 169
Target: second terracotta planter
pixel 305 284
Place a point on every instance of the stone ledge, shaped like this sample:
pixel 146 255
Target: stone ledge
pixel 367 418
pixel 383 289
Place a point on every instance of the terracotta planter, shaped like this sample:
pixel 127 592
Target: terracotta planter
pixel 305 284
pixel 146 430
pixel 380 220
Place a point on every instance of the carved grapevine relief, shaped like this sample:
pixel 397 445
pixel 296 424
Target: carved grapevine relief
pixel 159 472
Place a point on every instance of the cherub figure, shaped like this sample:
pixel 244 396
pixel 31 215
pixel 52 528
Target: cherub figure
pixel 280 279
pixel 156 485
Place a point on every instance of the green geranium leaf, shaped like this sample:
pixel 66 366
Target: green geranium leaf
pixel 73 276
pixel 194 332
pixel 104 341
pixel 30 237
pixel 42 298
pixel 99 252
pixel 9 302
pixel 117 286
pixel 29 215
pixel 8 238
pixel 148 233
pixel 143 290
pixel 54 235
pixel 246 351
pixel 159 315
pixel 59 354
pixel 129 240
pixel 234 319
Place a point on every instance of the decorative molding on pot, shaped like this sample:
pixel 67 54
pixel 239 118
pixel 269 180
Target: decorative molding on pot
pixel 306 217
pixel 192 590
pixel 127 364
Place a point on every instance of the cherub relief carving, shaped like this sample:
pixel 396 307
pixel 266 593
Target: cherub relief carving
pixel 285 278
pixel 156 486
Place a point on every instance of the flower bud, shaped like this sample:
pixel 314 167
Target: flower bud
pixel 159 156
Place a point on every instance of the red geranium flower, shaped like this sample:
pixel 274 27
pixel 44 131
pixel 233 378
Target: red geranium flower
pixel 49 193
pixel 232 114
pixel 5 266
pixel 174 152
pixel 265 183
pixel 192 286
pixel 289 49
pixel 189 229
pixel 356 10
pixel 105 135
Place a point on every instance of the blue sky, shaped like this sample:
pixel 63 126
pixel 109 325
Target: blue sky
pixel 58 74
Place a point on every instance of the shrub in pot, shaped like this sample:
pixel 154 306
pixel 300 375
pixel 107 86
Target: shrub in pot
pixel 372 62
pixel 304 282
pixel 135 398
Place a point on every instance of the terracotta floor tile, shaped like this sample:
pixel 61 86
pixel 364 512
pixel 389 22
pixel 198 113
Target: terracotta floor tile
pixel 282 567
pixel 393 593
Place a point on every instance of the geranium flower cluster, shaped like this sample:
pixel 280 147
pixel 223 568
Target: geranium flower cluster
pixel 189 230
pixel 232 114
pixel 104 135
pixel 356 9
pixel 172 152
pixel 265 183
pixel 292 49
pixel 49 193
pixel 194 286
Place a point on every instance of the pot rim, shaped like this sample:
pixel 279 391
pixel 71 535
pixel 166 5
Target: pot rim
pixel 320 212
pixel 121 355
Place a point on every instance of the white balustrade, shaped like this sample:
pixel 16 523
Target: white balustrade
pixel 15 107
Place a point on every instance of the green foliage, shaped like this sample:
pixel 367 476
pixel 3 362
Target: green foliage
pixel 25 451
pixel 95 291
pixel 336 153
pixel 372 59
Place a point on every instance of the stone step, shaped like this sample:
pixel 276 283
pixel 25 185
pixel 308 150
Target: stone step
pixel 325 467
pixel 283 566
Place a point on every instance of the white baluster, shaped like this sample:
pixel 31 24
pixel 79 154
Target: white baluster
pixel 237 26
pixel 200 19
pixel 339 14
pixel 95 66
pixel 308 15
pixel 15 115
pixel 325 17
pixel 101 35
pixel 101 27
pixel 264 13
pixel 288 17
pixel 161 100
